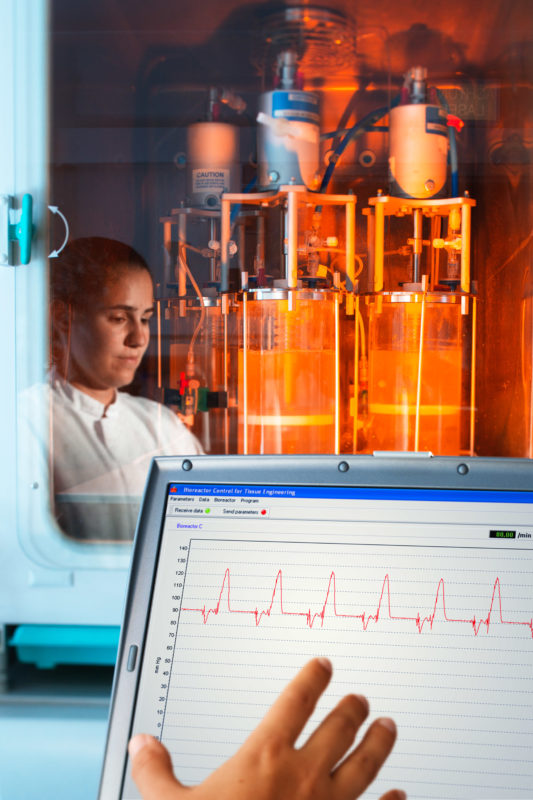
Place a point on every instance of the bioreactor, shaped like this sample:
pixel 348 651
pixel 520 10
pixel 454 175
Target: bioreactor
pixel 297 343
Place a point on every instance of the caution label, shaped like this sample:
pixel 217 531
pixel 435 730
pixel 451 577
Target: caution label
pixel 212 180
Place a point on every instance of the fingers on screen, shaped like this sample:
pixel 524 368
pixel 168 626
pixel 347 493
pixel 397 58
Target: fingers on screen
pixel 394 794
pixel 151 768
pixel 358 771
pixel 336 734
pixel 294 706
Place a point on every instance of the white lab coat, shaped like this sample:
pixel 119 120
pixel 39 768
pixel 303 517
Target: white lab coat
pixel 100 458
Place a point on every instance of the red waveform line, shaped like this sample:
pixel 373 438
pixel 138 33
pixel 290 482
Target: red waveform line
pixel 331 603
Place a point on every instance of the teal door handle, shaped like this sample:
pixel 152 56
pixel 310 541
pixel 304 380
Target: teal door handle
pixel 22 231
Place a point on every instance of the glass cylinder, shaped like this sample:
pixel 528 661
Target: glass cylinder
pixel 419 372
pixel 288 372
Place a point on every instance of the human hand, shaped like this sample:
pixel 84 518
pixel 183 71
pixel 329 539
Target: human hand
pixel 268 767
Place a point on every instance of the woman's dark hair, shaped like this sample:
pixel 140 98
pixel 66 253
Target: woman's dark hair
pixel 87 265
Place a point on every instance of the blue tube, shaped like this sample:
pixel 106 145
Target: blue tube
pixel 332 134
pixel 454 163
pixel 353 133
pixel 235 210
pixel 357 130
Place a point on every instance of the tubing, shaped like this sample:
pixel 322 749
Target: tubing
pixel 332 134
pixel 357 130
pixel 235 210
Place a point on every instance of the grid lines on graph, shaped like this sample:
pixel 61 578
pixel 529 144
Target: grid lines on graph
pixel 433 638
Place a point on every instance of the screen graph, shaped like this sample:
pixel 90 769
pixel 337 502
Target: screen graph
pixel 419 607
pixel 439 639
pixel 384 607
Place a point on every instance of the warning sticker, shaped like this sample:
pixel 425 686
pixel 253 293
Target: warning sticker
pixel 214 180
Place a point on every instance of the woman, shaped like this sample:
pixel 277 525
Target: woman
pixel 102 438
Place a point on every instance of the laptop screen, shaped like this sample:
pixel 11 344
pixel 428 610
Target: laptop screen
pixel 422 598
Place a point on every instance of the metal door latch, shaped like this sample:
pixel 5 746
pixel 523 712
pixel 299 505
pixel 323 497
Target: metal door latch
pixel 21 230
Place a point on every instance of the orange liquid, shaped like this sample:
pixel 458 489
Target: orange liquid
pixel 290 401
pixel 393 396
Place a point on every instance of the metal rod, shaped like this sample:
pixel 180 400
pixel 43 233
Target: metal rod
pixel 419 376
pixel 337 375
pixel 212 260
pixel 182 256
pixel 167 266
pixel 241 252
pixel 356 375
pixel 225 233
pixel 465 247
pixel 417 243
pixel 473 377
pixel 270 198
pixel 350 244
pixel 245 373
pixel 250 197
pixel 260 254
pixel 225 320
pixel 370 245
pixel 291 222
pixel 379 240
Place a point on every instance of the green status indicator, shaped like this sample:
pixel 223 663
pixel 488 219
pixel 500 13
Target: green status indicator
pixel 502 534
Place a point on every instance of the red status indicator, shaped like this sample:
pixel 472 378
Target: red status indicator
pixel 263 512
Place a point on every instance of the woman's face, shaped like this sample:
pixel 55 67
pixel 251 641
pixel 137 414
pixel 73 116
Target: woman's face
pixel 109 337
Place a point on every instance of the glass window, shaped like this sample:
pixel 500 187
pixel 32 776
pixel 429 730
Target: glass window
pixel 280 230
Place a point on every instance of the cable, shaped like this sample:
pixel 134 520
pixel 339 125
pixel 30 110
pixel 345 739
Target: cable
pixel 357 130
pixel 332 134
pixel 185 266
pixel 235 210
pixel 361 334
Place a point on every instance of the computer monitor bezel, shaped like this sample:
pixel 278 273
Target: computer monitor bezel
pixel 387 470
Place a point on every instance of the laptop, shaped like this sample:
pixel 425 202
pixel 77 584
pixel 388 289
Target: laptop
pixel 413 574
